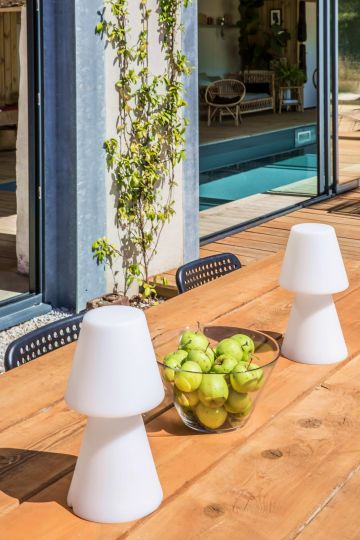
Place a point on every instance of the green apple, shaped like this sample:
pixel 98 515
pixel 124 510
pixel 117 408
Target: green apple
pixel 230 347
pixel 210 353
pixel 201 358
pixel 189 378
pixel 187 400
pixel 213 390
pixel 224 364
pixel 246 378
pixel 210 418
pixel 245 342
pixel 238 403
pixel 193 340
pixel 173 360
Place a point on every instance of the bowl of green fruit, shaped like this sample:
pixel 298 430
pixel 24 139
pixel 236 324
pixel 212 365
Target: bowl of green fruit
pixel 217 374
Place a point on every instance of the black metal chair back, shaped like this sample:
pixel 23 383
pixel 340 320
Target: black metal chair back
pixel 42 340
pixel 196 273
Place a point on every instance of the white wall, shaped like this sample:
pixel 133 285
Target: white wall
pixel 22 157
pixel 218 56
pixel 170 248
pixel 310 92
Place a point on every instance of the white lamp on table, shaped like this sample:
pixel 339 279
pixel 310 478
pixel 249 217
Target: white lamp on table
pixel 114 379
pixel 314 270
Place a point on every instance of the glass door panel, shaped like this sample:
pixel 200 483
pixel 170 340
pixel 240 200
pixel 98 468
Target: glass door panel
pixel 348 122
pixel 14 154
pixel 260 156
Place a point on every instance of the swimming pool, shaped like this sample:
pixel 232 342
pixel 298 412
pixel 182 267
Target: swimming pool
pixel 241 180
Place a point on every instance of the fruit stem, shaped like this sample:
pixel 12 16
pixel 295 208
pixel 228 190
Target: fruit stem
pixel 252 356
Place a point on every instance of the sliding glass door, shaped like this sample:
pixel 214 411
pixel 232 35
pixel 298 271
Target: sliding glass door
pixel 347 94
pixel 20 163
pixel 263 128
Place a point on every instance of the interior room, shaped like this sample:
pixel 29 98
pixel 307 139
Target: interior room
pixel 14 264
pixel 258 108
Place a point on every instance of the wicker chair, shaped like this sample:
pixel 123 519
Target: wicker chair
pixel 196 273
pixel 224 96
pixel 253 103
pixel 42 340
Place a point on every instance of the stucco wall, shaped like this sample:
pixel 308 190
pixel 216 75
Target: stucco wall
pixel 80 111
pixel 170 251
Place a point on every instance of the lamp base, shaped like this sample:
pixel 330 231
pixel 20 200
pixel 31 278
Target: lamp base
pixel 314 334
pixel 115 478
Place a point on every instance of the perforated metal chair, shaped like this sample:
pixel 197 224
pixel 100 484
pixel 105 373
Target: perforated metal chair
pixel 196 273
pixel 42 340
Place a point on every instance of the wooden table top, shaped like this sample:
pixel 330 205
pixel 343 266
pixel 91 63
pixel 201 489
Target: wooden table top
pixel 291 472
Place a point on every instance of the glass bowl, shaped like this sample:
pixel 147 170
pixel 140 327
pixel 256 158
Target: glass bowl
pixel 218 402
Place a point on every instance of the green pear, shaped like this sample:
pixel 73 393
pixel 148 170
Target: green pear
pixel 230 347
pixel 201 358
pixel 189 378
pixel 224 364
pixel 213 390
pixel 210 418
pixel 187 400
pixel 238 403
pixel 245 378
pixel 193 340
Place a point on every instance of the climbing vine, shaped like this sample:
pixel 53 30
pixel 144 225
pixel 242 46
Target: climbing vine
pixel 144 155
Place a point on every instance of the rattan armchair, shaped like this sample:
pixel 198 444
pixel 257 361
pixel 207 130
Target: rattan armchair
pixel 260 91
pixel 224 97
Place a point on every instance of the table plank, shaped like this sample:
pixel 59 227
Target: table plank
pixel 339 518
pixel 268 488
pixel 316 450
pixel 214 300
pixel 57 431
pixel 64 436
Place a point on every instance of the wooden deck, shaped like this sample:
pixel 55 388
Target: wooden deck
pixel 254 124
pixel 264 240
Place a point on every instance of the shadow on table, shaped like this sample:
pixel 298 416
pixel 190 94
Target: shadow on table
pixel 30 475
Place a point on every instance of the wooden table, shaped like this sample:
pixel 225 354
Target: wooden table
pixel 292 472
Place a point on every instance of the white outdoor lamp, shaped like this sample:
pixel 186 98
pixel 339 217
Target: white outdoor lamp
pixel 314 270
pixel 114 379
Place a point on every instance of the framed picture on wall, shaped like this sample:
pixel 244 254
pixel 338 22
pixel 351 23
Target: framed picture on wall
pixel 275 17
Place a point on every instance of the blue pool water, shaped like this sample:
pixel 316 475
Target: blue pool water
pixel 238 181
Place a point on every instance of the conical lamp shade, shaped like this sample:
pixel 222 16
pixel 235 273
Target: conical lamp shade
pixel 114 371
pixel 313 263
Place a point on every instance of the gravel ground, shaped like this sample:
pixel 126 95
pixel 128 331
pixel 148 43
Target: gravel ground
pixel 9 335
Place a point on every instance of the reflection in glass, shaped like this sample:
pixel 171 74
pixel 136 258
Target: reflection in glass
pixel 261 157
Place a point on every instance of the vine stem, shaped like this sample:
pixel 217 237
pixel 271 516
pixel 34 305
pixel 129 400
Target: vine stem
pixel 150 137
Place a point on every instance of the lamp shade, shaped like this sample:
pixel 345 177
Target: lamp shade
pixel 313 263
pixel 114 371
